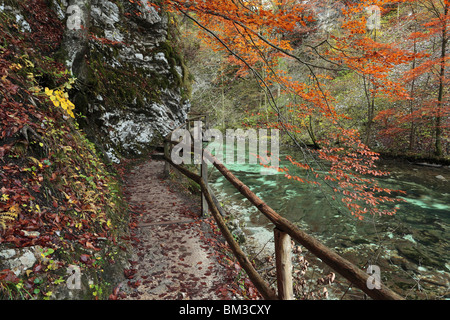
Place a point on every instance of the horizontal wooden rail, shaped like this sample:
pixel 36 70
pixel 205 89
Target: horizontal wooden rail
pixel 341 265
pixel 344 267
pixel 242 258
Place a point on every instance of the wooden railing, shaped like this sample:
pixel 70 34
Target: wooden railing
pixel 284 231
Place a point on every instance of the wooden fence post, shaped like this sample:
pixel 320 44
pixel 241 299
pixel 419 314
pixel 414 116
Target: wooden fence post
pixel 204 176
pixel 166 153
pixel 348 270
pixel 283 264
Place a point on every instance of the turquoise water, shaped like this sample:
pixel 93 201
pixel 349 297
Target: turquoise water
pixel 411 247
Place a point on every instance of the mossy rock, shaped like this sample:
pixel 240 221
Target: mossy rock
pixel 416 255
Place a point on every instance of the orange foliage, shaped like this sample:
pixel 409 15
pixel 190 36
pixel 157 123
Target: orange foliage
pixel 253 34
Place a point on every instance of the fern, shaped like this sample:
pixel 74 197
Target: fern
pixel 9 216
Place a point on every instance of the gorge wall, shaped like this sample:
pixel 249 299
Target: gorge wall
pixel 132 85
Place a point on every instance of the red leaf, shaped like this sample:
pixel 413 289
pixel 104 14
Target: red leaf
pixel 129 273
pixel 37 268
pixel 8 276
pixel 117 289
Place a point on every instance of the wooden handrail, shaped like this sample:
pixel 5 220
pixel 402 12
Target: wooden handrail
pixel 331 258
pixel 341 265
pixel 242 258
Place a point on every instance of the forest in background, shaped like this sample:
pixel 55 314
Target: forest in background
pixel 386 78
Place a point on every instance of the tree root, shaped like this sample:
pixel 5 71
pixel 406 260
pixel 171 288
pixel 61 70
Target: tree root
pixel 28 130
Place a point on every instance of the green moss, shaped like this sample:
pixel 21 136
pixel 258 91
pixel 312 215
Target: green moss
pixel 81 102
pixel 175 59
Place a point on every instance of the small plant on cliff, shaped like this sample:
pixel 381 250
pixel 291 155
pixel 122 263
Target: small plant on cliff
pixel 8 216
pixel 60 97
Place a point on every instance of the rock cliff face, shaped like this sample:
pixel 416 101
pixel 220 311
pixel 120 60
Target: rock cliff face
pixel 132 84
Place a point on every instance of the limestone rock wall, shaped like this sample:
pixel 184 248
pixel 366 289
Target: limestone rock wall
pixel 132 84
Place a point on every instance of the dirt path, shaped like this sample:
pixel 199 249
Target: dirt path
pixel 172 257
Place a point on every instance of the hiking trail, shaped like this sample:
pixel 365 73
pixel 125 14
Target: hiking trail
pixel 173 252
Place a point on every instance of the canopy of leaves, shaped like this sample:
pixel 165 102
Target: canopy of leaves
pixel 260 36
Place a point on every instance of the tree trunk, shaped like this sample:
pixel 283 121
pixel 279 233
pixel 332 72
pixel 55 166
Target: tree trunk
pixel 411 102
pixel 438 132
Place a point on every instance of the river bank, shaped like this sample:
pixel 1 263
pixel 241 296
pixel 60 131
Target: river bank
pixel 411 247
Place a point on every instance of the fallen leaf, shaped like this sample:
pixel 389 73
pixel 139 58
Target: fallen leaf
pixel 84 258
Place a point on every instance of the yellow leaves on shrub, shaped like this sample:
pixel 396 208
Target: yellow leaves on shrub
pixel 9 216
pixel 16 67
pixel 61 99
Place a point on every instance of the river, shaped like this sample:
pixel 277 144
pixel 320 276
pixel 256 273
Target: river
pixel 411 247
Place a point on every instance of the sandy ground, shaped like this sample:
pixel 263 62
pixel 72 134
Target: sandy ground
pixel 172 257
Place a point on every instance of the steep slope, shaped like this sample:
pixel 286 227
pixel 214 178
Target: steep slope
pixel 62 217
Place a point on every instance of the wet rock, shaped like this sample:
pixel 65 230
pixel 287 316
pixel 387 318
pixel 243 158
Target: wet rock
pixel 19 260
pixel 416 255
pixel 400 262
pixel 426 164
pixel 127 61
pixel 403 285
pixel 345 242
pixel 360 241
pixel 236 230
pixel 427 237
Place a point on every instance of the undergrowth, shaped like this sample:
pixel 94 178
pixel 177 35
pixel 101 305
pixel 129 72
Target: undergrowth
pixel 55 193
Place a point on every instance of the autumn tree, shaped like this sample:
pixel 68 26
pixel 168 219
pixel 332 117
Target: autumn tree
pixel 433 19
pixel 422 118
pixel 257 35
